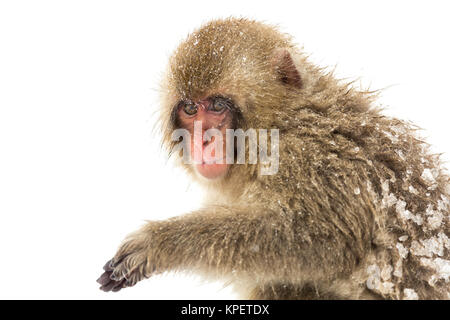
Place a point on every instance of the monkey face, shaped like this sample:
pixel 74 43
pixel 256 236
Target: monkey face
pixel 207 121
pixel 227 75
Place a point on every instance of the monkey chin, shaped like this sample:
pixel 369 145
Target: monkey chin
pixel 211 170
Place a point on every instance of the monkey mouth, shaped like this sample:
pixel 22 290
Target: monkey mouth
pixel 210 166
pixel 211 171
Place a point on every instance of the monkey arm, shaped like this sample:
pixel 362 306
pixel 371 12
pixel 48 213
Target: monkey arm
pixel 230 241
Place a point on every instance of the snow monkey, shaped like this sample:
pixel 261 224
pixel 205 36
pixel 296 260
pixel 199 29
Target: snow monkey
pixel 358 207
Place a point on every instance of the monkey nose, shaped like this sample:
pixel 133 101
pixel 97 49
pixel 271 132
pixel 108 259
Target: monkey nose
pixel 208 141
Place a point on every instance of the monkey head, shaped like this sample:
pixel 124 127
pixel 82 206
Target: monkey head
pixel 229 74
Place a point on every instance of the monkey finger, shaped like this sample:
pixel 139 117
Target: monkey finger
pixel 119 285
pixel 113 285
pixel 104 278
pixel 108 286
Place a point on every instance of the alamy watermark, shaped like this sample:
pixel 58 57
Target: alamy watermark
pixel 208 147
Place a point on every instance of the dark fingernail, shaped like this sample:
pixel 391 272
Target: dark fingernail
pixel 119 285
pixel 114 277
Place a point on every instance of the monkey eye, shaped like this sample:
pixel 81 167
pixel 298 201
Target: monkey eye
pixel 190 108
pixel 219 104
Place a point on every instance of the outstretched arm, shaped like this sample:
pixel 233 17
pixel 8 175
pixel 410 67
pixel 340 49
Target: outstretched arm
pixel 222 241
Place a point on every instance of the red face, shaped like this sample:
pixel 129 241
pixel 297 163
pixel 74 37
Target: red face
pixel 211 113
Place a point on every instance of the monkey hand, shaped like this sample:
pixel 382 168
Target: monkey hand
pixel 130 265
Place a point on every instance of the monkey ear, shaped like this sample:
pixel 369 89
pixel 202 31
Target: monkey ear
pixel 286 69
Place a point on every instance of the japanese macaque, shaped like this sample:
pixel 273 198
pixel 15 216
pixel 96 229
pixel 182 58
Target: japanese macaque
pixel 357 208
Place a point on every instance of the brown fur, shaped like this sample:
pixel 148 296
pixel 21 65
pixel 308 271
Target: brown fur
pixel 358 209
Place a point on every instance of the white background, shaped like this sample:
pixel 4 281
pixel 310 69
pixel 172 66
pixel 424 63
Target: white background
pixel 80 166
